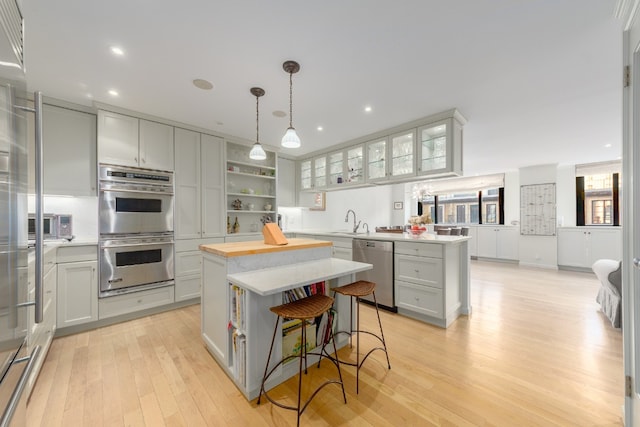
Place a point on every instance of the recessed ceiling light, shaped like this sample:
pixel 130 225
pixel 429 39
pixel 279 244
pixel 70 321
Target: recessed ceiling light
pixel 278 113
pixel 113 92
pixel 203 84
pixel 117 51
pixel 320 128
pixel 89 96
pixel 367 109
pixel 607 145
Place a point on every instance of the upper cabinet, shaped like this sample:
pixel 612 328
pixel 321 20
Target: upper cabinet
pixel 199 183
pixel 129 141
pixel 402 148
pixel 69 144
pixel 286 182
pixel 429 147
pixel 440 148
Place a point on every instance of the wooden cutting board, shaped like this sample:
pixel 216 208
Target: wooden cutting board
pixel 233 249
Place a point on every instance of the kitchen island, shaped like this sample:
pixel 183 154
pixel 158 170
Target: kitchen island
pixel 241 281
pixel 431 273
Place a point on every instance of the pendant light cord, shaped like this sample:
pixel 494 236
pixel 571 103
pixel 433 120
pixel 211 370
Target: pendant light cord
pixel 257 120
pixel 290 100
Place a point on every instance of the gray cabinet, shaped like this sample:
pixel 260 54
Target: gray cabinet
pixel 77 285
pixel 427 281
pixel 69 144
pixel 199 185
pixel 286 182
pixel 129 141
pixel 582 246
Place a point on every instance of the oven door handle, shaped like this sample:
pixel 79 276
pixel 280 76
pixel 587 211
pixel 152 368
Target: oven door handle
pixel 137 191
pixel 128 245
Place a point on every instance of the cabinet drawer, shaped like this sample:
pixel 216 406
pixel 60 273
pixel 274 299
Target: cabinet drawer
pixel 419 270
pixel 129 303
pixel 432 250
pixel 188 263
pixel 421 299
pixel 187 287
pixel 77 253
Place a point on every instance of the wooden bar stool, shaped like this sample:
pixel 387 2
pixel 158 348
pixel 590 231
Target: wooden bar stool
pixel 303 309
pixel 359 289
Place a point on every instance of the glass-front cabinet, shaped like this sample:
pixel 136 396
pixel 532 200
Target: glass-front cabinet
pixel 320 173
pixel 376 160
pixel 440 148
pixel 402 150
pixel 355 165
pixel 306 182
pixel 429 147
pixel 336 168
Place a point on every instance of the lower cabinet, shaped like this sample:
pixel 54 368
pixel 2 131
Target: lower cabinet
pixel 188 264
pixel 135 301
pixel 500 242
pixel 580 247
pixel 77 285
pixel 41 334
pixel 342 247
pixel 427 281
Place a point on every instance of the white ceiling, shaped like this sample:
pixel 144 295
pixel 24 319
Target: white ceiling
pixel 538 81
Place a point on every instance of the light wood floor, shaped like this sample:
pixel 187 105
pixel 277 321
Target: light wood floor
pixel 535 352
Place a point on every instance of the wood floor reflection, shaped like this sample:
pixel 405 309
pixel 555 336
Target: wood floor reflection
pixel 535 352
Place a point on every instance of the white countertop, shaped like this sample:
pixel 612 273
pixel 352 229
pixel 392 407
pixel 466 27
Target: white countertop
pixel 394 237
pixel 272 280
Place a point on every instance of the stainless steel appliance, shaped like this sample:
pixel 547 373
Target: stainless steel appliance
pixel 135 201
pixel 136 229
pixel 15 361
pixel 135 263
pixel 53 226
pixel 380 254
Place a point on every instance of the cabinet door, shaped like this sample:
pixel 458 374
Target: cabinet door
pixel 507 243
pixel 306 180
pixel 420 299
pixel 605 243
pixel 117 139
pixel 572 247
pixel 355 165
pixel 343 253
pixel 286 187
pixel 434 142
pixel 487 241
pixel 77 293
pixel 213 196
pixel 402 153
pixel 335 165
pixel 319 173
pixel 376 160
pixel 156 146
pixel 69 152
pixel 187 184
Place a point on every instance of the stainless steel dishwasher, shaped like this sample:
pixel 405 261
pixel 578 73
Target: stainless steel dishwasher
pixel 380 255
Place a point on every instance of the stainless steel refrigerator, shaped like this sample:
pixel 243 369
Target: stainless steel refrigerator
pixel 15 361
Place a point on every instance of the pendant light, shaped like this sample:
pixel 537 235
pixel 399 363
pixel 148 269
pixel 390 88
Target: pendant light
pixel 290 138
pixel 257 152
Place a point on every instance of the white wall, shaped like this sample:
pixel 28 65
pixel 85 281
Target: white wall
pixel 566 196
pixel 83 209
pixel 373 205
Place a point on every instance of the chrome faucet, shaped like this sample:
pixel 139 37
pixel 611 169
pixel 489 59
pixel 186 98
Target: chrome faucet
pixel 355 226
pixel 367 226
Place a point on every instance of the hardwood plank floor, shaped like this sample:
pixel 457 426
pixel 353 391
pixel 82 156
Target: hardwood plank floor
pixel 535 352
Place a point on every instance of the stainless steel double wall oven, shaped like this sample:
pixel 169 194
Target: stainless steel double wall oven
pixel 136 229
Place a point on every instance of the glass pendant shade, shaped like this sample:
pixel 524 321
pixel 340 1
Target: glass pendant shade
pixel 257 152
pixel 291 139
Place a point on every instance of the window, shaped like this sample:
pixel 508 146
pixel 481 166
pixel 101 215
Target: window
pixel 490 215
pixel 597 194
